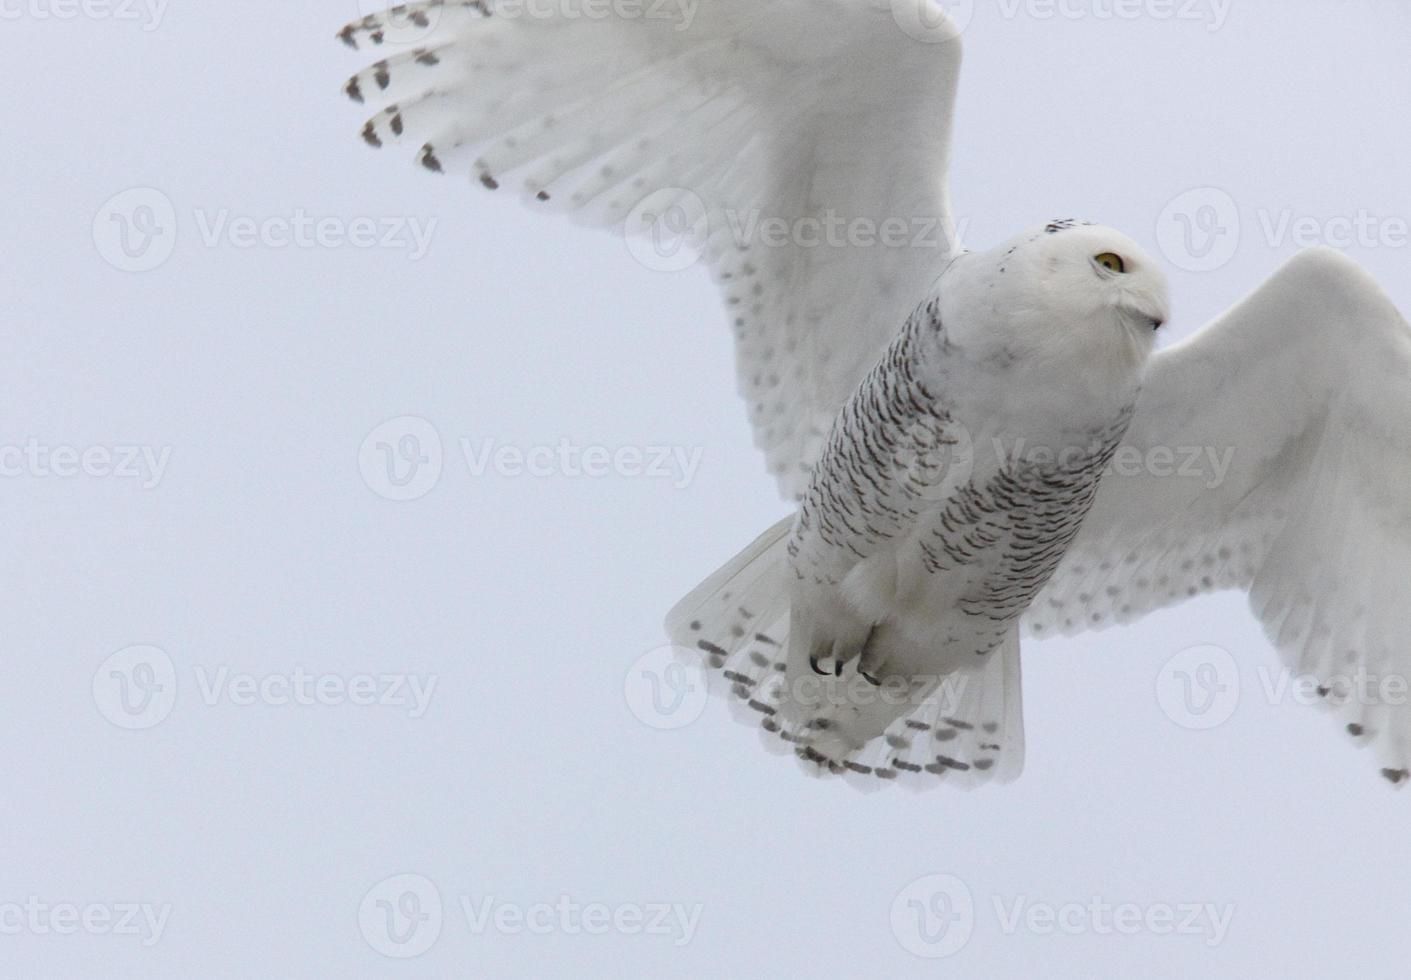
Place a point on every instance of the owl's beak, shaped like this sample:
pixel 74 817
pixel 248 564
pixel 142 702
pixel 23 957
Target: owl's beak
pixel 1140 317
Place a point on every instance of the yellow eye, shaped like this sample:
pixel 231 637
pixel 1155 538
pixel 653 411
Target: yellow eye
pixel 1111 261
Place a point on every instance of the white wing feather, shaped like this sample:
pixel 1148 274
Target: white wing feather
pixel 769 120
pixel 1305 390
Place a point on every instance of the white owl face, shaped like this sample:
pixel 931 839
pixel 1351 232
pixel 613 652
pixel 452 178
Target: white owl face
pixel 1079 293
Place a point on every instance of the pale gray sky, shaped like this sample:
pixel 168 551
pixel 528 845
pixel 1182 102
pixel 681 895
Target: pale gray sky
pixel 213 412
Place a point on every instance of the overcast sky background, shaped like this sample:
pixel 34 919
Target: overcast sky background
pixel 262 545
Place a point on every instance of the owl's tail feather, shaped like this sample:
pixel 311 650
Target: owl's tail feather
pixel 737 621
pixel 964 728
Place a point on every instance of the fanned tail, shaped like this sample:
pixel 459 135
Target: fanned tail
pixel 962 728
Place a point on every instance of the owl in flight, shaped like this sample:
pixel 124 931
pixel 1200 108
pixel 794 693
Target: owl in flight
pixel 947 421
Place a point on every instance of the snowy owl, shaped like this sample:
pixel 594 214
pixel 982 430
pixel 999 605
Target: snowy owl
pixel 945 420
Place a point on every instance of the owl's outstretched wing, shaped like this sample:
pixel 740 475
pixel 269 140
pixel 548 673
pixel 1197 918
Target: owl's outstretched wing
pixel 801 145
pixel 1271 452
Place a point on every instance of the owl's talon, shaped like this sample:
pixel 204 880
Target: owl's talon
pixel 816 662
